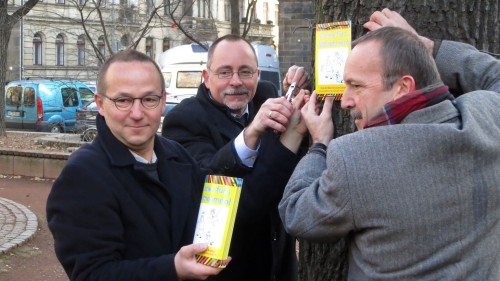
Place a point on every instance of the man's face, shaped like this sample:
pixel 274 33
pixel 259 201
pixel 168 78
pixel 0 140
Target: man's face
pixel 234 92
pixel 137 126
pixel 364 94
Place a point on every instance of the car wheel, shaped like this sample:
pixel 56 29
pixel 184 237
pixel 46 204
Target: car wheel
pixel 56 129
pixel 89 134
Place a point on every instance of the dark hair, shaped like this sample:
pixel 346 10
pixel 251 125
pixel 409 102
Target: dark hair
pixel 230 38
pixel 403 53
pixel 124 56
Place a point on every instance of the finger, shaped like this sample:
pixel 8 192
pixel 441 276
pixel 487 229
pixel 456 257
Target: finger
pixel 311 105
pixel 379 18
pixel 299 99
pixel 278 117
pixel 371 26
pixel 387 12
pixel 303 81
pixel 283 106
pixel 299 75
pixel 327 107
pixel 290 74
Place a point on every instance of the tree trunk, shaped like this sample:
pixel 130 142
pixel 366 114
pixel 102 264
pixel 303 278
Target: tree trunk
pixel 7 22
pixel 473 22
pixel 235 17
pixel 4 41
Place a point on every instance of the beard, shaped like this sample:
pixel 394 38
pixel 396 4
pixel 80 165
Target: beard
pixel 240 91
pixel 356 114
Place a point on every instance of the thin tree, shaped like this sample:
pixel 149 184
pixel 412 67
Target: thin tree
pixel 474 22
pixel 135 22
pixel 7 23
pixel 180 12
pixel 235 17
pixel 250 13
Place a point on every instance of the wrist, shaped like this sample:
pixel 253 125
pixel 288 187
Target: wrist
pixel 291 140
pixel 250 138
pixel 318 148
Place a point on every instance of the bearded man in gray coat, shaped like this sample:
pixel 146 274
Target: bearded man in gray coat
pixel 417 188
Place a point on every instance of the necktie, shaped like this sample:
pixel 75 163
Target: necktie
pixel 241 119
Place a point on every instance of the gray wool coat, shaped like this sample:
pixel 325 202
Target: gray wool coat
pixel 419 200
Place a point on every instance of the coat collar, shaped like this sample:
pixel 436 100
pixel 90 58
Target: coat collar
pixel 438 113
pixel 116 151
pixel 204 95
pixel 176 177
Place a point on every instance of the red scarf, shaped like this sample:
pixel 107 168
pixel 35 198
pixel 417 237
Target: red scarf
pixel 395 111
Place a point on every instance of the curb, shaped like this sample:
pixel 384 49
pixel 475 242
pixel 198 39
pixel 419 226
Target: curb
pixel 17 224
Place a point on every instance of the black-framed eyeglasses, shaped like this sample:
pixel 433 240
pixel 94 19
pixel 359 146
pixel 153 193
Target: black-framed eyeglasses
pixel 242 74
pixel 125 103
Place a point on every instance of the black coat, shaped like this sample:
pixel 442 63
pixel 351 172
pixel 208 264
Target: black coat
pixel 260 249
pixel 112 221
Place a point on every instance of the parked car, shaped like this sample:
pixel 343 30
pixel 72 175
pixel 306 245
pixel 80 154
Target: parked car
pixel 85 116
pixel 86 119
pixel 44 105
pixel 92 86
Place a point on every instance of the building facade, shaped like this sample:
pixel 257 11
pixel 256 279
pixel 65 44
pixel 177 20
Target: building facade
pixel 69 39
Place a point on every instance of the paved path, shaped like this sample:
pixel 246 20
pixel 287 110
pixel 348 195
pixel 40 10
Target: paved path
pixel 17 224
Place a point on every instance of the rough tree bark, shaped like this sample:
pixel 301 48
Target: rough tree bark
pixel 474 22
pixel 7 22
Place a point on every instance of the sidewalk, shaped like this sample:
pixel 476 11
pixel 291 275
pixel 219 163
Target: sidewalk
pixel 17 224
pixel 33 259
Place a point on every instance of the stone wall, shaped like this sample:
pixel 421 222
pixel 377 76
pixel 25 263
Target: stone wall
pixel 32 163
pixel 296 20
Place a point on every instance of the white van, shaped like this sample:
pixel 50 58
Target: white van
pixel 182 67
pixel 268 63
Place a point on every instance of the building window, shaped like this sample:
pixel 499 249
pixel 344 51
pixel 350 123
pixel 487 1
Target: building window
pixel 101 47
pixel 125 42
pixel 202 8
pixel 166 44
pixel 80 46
pixel 265 9
pixel 227 10
pixel 37 49
pixel 69 97
pixel 150 47
pixel 60 1
pixel 149 6
pixel 59 50
pixel 166 7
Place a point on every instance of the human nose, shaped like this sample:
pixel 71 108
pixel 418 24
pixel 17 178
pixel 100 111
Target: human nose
pixel 235 79
pixel 136 110
pixel 347 101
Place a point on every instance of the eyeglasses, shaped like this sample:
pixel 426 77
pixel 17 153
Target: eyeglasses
pixel 125 103
pixel 242 74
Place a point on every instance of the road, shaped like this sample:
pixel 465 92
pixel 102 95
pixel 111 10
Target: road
pixel 34 260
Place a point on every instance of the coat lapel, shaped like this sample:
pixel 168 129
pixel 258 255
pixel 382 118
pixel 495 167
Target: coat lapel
pixel 181 182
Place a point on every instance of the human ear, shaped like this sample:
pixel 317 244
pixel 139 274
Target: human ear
pixel 405 84
pixel 206 77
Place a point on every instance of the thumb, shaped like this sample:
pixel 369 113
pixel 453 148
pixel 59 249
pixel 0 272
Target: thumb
pixel 193 249
pixel 200 248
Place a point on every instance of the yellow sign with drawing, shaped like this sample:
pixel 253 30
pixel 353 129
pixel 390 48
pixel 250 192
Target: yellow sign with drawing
pixel 333 44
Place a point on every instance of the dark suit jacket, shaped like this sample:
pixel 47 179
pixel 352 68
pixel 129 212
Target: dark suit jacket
pixel 260 249
pixel 112 221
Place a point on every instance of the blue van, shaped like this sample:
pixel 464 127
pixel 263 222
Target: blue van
pixel 44 105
